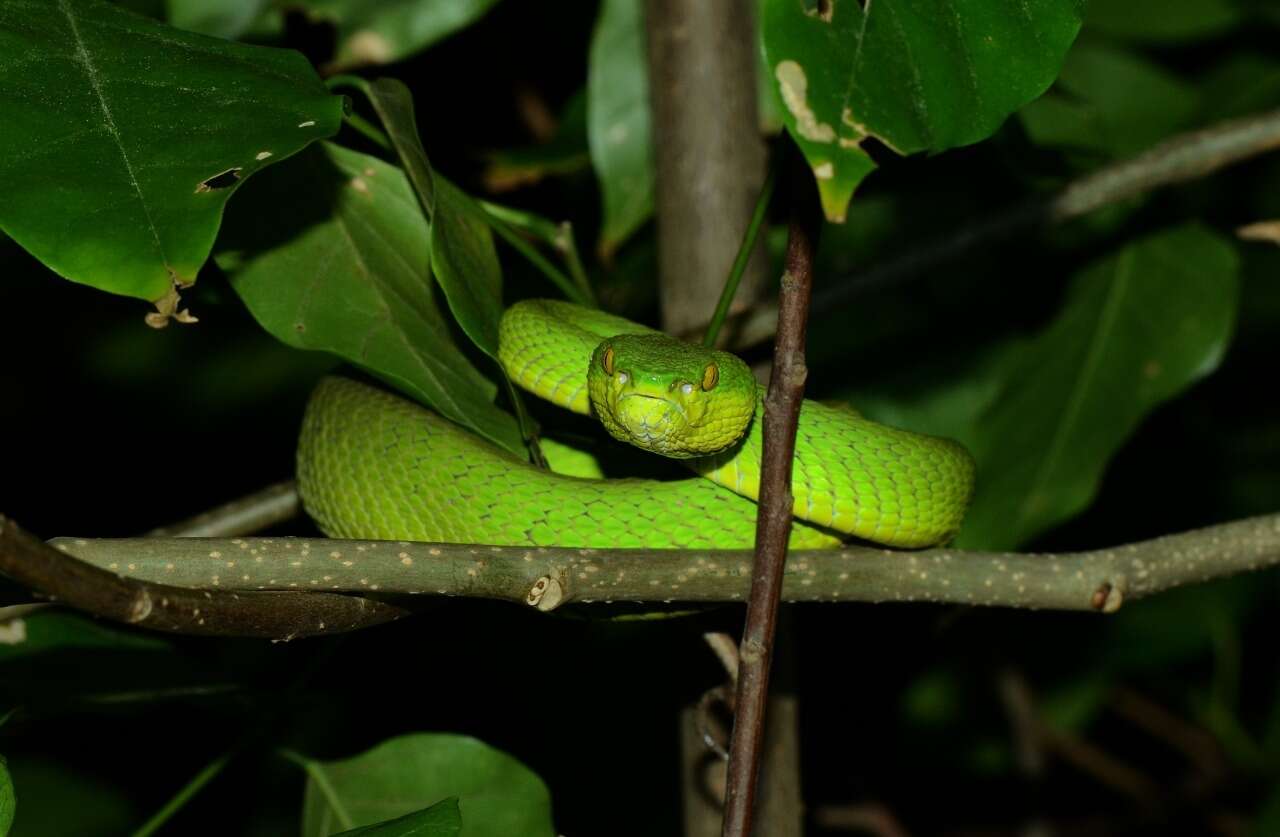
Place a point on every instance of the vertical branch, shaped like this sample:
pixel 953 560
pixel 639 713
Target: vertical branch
pixel 781 414
pixel 710 160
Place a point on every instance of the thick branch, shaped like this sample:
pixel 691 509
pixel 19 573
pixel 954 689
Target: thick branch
pixel 163 607
pixel 1178 159
pixel 1099 580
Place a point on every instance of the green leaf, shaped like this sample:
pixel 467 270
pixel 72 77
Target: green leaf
pixel 59 799
pixel 564 153
pixel 330 253
pixel 8 799
pixel 498 796
pixel 1267 821
pixel 1110 101
pixel 618 131
pixel 1163 21
pixel 123 138
pixel 226 18
pixel 56 630
pixel 463 257
pixel 444 819
pixel 906 74
pixel 1136 329
pixel 382 31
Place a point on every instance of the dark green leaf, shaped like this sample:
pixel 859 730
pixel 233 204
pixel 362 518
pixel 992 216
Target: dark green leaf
pixel 123 138
pixel 1267 822
pixel 382 31
pixel 564 153
pixel 1112 102
pixel 60 800
pixel 55 629
pixel 226 18
pixel 463 257
pixel 498 796
pixel 1163 21
pixel 443 819
pixel 8 799
pixel 330 253
pixel 1136 329
pixel 911 73
pixel 1245 83
pixel 618 120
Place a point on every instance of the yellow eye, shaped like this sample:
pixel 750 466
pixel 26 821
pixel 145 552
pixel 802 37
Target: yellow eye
pixel 710 377
pixel 607 361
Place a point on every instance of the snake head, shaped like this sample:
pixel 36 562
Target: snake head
pixel 669 397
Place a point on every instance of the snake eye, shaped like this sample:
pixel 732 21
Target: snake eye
pixel 607 360
pixel 710 377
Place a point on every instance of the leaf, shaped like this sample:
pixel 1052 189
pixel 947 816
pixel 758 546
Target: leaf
pixel 443 819
pixel 498 796
pixel 618 131
pixel 1110 101
pixel 59 799
pixel 1136 329
pixel 8 799
pixel 56 630
pixel 906 74
pixel 565 152
pixel 226 18
pixel 463 258
pixel 1163 21
pixel 330 253
pixel 382 31
pixel 123 138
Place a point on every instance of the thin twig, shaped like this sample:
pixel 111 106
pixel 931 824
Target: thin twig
pixel 773 520
pixel 263 509
pixel 44 569
pixel 546 578
pixel 1176 160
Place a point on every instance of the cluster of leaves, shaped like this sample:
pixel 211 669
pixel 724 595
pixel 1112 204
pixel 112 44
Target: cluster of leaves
pixel 125 138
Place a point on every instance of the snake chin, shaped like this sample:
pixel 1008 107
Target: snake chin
pixel 651 422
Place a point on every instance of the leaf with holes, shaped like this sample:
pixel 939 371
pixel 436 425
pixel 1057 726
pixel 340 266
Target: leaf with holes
pixel 331 253
pixel 1136 329
pixel 915 74
pixel 123 138
pixel 498 796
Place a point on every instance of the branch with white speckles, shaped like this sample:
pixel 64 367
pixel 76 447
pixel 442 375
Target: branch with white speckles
pixel 547 578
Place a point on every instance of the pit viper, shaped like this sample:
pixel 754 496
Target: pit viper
pixel 374 465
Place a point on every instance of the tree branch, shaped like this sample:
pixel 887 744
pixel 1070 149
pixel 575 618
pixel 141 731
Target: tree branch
pixel 773 520
pixel 163 607
pixel 549 577
pixel 263 509
pixel 1176 160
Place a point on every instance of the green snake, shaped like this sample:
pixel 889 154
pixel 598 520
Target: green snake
pixel 374 465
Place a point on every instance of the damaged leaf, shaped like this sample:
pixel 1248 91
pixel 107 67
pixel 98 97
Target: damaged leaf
pixel 123 138
pixel 914 74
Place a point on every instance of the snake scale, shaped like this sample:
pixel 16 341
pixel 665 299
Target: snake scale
pixel 374 465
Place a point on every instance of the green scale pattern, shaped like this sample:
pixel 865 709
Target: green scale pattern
pixel 373 465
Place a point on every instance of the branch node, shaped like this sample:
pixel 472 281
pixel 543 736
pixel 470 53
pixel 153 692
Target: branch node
pixel 1109 596
pixel 546 594
pixel 141 606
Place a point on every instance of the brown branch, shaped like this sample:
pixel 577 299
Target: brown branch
pixel 68 580
pixel 263 509
pixel 773 520
pixel 1176 160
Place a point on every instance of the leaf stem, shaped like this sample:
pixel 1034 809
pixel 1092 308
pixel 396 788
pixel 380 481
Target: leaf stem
pixel 496 220
pixel 317 774
pixel 740 261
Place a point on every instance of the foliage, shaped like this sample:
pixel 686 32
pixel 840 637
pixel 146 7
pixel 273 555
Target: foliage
pixel 1108 374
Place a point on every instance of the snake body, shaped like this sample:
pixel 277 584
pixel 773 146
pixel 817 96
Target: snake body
pixel 374 465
